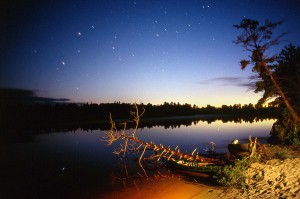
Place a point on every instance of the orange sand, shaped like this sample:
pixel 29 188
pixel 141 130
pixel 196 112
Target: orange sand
pixel 275 179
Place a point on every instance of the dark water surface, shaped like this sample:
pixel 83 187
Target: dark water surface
pixel 76 165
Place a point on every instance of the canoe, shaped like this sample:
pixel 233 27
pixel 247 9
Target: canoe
pixel 198 167
pixel 239 149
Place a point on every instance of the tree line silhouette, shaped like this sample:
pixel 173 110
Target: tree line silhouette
pixel 22 121
pixel 61 113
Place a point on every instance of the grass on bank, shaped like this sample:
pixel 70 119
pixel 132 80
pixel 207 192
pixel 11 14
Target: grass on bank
pixel 235 175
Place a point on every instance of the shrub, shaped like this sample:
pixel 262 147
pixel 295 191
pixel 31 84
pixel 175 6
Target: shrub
pixel 281 153
pixel 235 175
pixel 273 152
pixel 285 132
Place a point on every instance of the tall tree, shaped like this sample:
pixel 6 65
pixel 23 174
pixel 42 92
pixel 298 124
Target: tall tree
pixel 258 39
pixel 287 72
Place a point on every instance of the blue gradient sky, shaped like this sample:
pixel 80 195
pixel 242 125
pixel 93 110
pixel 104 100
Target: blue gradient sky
pixel 135 51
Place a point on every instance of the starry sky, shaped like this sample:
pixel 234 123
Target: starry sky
pixel 135 51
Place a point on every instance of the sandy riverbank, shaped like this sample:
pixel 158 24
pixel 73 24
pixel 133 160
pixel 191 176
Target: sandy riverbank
pixel 274 179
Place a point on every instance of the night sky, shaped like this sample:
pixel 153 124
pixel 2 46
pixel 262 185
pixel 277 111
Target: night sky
pixel 135 51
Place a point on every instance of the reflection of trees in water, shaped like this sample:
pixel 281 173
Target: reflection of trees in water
pixel 150 159
pixel 25 132
pixel 189 121
pixel 24 118
pixel 46 113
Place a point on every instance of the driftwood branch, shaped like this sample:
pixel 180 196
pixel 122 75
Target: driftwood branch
pixel 129 143
pixel 252 146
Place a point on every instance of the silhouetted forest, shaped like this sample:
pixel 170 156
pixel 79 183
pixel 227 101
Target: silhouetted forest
pixel 24 120
pixel 58 113
pixel 23 113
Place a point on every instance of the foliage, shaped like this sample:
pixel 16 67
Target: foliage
pixel 235 175
pixel 287 74
pixel 251 40
pixel 268 152
pixel 285 132
pixel 46 113
pixel 281 153
pixel 258 39
pixel 278 77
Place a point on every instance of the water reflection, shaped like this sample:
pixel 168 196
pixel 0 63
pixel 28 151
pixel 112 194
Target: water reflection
pixel 70 163
pixel 23 133
pixel 199 135
pixel 190 137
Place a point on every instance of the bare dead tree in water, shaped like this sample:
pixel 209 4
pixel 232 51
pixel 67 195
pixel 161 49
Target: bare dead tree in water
pixel 130 143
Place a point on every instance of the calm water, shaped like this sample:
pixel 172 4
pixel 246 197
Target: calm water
pixel 76 165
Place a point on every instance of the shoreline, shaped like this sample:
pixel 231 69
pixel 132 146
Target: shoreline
pixel 280 179
pixel 170 187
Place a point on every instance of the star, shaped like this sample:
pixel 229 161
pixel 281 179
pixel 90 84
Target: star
pixel 165 11
pixel 63 63
pixel 79 33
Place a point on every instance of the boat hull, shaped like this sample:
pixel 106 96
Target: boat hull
pixel 239 149
pixel 195 167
